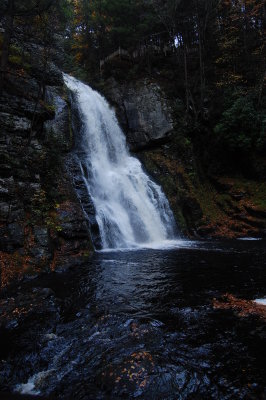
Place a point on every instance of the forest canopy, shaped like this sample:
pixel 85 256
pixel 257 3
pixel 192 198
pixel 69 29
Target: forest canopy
pixel 212 52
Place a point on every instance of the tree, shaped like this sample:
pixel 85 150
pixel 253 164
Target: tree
pixel 102 26
pixel 241 58
pixel 12 10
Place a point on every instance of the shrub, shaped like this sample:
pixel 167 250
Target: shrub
pixel 242 125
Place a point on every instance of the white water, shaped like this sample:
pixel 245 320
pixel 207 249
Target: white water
pixel 261 302
pixel 131 210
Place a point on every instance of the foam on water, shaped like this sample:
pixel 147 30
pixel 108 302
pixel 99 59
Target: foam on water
pixel 261 302
pixel 34 384
pixel 249 238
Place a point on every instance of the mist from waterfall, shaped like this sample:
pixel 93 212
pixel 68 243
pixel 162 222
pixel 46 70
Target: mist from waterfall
pixel 131 209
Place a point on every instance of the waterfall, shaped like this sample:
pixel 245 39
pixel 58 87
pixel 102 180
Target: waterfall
pixel 131 209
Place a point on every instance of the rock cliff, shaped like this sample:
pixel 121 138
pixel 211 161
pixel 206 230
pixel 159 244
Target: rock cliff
pixel 42 224
pixel 143 110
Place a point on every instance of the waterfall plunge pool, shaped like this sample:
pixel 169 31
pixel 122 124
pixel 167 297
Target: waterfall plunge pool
pixel 150 324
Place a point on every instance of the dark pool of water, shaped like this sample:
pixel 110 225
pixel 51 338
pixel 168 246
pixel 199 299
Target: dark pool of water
pixel 141 324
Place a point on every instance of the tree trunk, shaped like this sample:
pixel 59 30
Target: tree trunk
pixel 201 62
pixel 186 78
pixel 9 25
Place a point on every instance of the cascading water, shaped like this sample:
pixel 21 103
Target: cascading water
pixel 131 210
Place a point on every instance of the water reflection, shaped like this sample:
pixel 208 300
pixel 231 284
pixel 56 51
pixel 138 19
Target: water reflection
pixel 141 324
pixel 147 279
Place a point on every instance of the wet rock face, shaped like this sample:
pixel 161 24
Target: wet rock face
pixel 143 112
pixel 75 167
pixel 42 223
pixel 59 126
pixel 86 204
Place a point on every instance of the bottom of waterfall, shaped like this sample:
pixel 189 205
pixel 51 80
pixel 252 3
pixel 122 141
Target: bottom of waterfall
pixel 162 245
